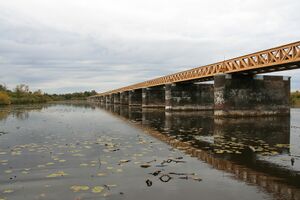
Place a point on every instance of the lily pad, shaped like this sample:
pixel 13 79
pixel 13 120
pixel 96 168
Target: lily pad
pixel 57 174
pixel 78 188
pixel 97 189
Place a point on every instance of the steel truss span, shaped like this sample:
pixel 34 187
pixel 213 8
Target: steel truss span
pixel 276 59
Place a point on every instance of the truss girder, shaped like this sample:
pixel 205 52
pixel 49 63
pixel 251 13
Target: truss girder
pixel 278 56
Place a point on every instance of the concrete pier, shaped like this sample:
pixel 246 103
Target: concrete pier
pixel 240 95
pixel 116 98
pixel 189 96
pixel 231 95
pixel 107 99
pixel 153 97
pixel 111 96
pixel 101 99
pixel 124 96
pixel 135 97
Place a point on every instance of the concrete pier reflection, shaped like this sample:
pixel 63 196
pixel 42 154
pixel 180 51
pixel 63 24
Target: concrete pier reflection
pixel 241 141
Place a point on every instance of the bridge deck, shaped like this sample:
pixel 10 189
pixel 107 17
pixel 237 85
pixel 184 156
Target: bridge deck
pixel 276 59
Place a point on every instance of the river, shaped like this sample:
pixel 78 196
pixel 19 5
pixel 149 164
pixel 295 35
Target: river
pixel 85 151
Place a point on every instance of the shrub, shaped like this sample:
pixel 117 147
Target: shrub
pixel 4 99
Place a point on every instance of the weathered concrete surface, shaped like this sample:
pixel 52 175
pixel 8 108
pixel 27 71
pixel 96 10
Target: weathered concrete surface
pixel 111 96
pixel 135 97
pixel 189 96
pixel 124 96
pixel 100 99
pixel 153 97
pixel 239 95
pixel 116 98
pixel 107 99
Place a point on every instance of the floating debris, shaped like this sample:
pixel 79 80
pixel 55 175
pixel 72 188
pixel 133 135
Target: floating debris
pixel 145 165
pixel 165 178
pixel 149 183
pixel 292 161
pixel 156 173
pixel 123 161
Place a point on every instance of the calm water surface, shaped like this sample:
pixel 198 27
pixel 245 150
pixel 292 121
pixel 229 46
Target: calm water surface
pixel 81 151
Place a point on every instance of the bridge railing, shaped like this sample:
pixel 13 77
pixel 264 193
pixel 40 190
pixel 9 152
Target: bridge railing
pixel 278 56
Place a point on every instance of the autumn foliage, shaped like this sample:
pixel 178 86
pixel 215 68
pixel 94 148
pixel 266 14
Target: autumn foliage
pixel 4 98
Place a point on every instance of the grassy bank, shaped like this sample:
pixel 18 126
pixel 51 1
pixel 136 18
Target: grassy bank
pixel 22 95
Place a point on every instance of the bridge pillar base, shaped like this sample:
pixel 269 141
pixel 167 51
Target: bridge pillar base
pixel 103 100
pixel 240 95
pixel 112 98
pixel 116 98
pixel 107 99
pixel 189 96
pixel 135 97
pixel 124 97
pixel 96 99
pixel 153 97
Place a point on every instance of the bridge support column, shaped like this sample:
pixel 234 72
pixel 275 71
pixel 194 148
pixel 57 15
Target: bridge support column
pixel 103 100
pixel 107 99
pixel 111 96
pixel 135 97
pixel 116 98
pixel 239 95
pixel 100 99
pixel 189 96
pixel 124 98
pixel 95 99
pixel 153 97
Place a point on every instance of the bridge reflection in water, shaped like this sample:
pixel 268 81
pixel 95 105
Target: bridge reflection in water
pixel 236 146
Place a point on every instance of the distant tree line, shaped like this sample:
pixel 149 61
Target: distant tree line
pixel 295 98
pixel 21 94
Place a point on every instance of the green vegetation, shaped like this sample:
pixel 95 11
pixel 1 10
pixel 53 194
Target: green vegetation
pixel 295 99
pixel 22 95
pixel 4 98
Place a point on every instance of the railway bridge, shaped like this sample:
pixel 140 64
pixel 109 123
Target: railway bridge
pixel 238 89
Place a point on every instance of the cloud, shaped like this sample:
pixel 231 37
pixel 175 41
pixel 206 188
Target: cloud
pixel 66 46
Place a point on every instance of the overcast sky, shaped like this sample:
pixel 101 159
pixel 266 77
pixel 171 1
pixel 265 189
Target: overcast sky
pixel 75 45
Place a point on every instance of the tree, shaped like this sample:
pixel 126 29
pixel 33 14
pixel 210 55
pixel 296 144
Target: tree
pixel 39 92
pixel 3 87
pixel 4 99
pixel 21 89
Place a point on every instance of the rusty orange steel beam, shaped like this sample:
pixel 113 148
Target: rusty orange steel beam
pixel 288 54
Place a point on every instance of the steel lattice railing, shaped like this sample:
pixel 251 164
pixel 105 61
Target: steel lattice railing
pixel 276 58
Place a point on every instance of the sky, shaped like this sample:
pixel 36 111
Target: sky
pixel 62 46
